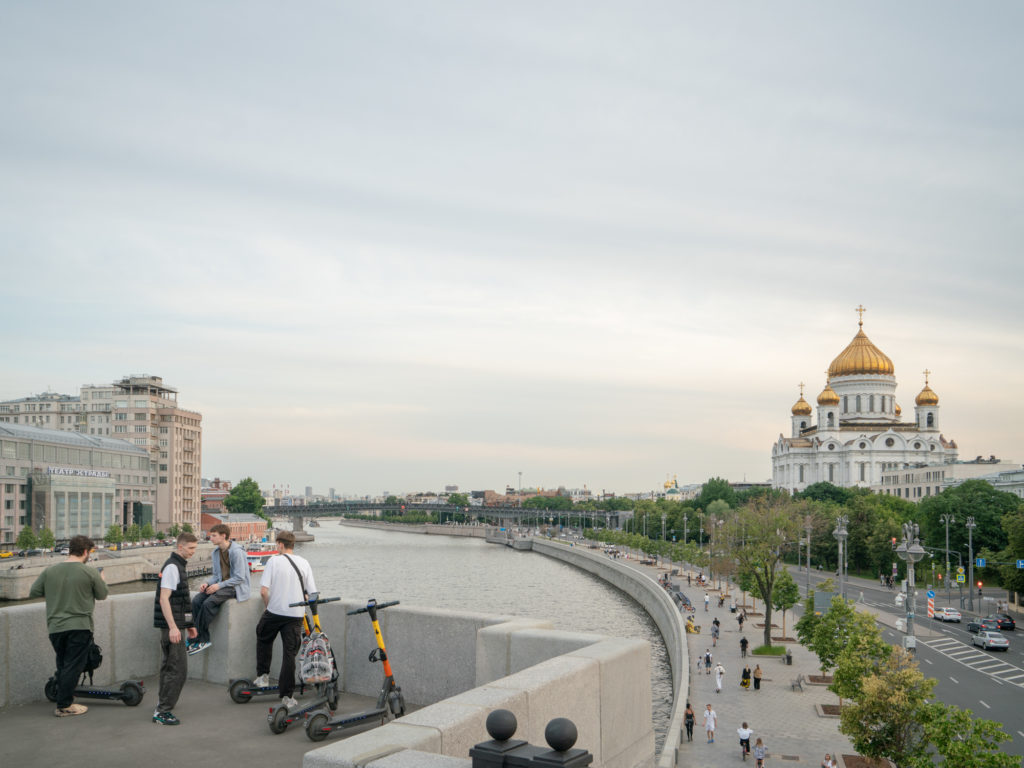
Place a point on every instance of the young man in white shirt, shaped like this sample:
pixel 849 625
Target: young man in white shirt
pixel 281 585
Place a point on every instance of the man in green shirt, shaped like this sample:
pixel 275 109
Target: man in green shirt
pixel 71 590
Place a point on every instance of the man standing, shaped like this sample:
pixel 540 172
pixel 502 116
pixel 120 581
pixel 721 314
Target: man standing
pixel 710 721
pixel 230 579
pixel 719 674
pixel 170 615
pixel 71 590
pixel 287 579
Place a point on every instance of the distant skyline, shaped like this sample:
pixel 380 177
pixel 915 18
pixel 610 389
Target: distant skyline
pixel 391 248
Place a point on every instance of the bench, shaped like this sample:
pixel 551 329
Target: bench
pixel 798 683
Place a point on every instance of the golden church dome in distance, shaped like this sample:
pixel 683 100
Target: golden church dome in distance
pixel 828 396
pixel 898 409
pixel 926 396
pixel 801 407
pixel 861 356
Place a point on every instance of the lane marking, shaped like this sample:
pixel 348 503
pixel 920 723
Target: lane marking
pixel 954 680
pixel 929 661
pixel 986 706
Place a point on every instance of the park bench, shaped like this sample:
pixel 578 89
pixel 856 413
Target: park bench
pixel 797 683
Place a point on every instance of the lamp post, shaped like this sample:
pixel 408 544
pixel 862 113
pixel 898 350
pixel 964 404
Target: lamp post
pixel 840 534
pixel 971 525
pixel 911 551
pixel 947 518
pixel 520 495
pixel 662 526
pixel 685 519
pixel 807 523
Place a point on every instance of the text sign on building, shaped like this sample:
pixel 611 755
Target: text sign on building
pixel 76 472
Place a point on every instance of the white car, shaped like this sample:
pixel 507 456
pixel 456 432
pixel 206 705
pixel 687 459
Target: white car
pixel 948 614
pixel 992 640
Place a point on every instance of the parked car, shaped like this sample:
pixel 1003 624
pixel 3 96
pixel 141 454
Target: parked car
pixel 991 641
pixel 947 614
pixel 1004 621
pixel 983 625
pixel 6 553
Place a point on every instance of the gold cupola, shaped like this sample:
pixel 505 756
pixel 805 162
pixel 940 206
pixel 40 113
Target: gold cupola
pixel 926 396
pixel 861 356
pixel 898 409
pixel 801 407
pixel 828 395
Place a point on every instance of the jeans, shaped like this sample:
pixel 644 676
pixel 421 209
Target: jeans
pixel 72 647
pixel 205 606
pixel 173 670
pixel 290 629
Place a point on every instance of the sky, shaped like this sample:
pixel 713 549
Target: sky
pixel 387 247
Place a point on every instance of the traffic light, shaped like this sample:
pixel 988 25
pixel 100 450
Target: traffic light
pixel 979 585
pixel 939 575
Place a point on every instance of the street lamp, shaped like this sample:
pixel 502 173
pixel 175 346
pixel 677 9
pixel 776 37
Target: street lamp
pixel 662 526
pixel 684 527
pixel 947 518
pixel 840 534
pixel 807 523
pixel 971 525
pixel 911 551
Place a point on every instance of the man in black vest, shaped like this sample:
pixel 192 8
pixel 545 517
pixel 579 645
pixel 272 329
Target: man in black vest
pixel 171 613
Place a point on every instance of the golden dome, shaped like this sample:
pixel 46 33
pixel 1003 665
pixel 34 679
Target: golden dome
pixel 801 407
pixel 861 356
pixel 926 396
pixel 828 396
pixel 898 409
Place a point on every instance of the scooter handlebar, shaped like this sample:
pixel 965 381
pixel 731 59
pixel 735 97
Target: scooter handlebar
pixel 372 604
pixel 314 600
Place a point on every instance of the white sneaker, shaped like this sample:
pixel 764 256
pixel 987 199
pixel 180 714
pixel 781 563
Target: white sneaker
pixel 289 703
pixel 263 681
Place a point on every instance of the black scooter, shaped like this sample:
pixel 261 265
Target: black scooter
pixel 130 691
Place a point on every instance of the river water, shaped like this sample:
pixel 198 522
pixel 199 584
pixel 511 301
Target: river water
pixel 465 574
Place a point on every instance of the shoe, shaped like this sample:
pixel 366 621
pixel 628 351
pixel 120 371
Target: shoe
pixel 165 718
pixel 73 709
pixel 197 647
pixel 263 681
pixel 289 703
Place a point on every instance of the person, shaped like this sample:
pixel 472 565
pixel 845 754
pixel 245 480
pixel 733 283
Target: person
pixel 707 660
pixel 71 589
pixel 739 619
pixel 828 762
pixel 714 633
pixel 710 721
pixel 757 677
pixel 689 583
pixel 745 678
pixel 689 718
pixel 230 579
pixel 743 647
pixel 745 732
pixel 171 614
pixel 759 752
pixel 287 579
pixel 719 674
pixel 707 601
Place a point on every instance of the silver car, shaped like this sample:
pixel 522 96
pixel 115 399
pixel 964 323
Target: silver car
pixel 992 641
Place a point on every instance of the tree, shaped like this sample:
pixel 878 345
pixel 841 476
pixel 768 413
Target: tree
pixel 245 497
pixel 174 530
pixel 962 740
pixel 133 533
pixel 785 595
pixel 714 489
pixel 147 531
pixel 975 498
pixel 759 531
pixel 862 655
pixel 886 722
pixel 27 538
pixel 187 528
pixel 458 500
pixel 833 632
pixel 114 535
pixel 807 623
pixel 1012 577
pixel 46 539
pixel 825 492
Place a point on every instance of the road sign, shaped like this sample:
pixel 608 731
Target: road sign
pixel 960 569
pixel 1020 564
pixel 931 593
pixel 960 578
pixel 980 562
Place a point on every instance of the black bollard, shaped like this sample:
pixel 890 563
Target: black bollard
pixel 561 735
pixel 501 726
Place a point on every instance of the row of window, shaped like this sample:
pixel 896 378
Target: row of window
pixel 82 457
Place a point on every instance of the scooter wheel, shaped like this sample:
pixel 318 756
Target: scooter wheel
pixel 236 691
pixel 396 703
pixel 50 689
pixel 332 697
pixel 131 694
pixel 278 720
pixel 315 727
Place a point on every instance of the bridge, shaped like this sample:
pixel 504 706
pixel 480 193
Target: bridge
pixel 500 516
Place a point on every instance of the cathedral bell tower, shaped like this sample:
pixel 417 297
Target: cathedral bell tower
pixel 927 407
pixel 801 413
pixel 828 410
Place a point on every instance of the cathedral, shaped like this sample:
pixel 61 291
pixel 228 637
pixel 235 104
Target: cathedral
pixel 858 432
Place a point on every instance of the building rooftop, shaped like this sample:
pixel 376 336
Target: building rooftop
pixel 76 439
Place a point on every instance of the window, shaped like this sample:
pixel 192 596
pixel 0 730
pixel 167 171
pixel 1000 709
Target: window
pixel 141 416
pixel 163 479
pixel 141 428
pixel 831 471
pixel 871 403
pixel 862 446
pixel 846 404
pixel 120 417
pixel 163 467
pixel 930 419
pixel 862 471
pixel 120 428
pixel 917 446
pixel 142 404
pixel 889 442
pixel 858 403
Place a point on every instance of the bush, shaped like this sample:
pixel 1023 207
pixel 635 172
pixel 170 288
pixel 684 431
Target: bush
pixel 769 650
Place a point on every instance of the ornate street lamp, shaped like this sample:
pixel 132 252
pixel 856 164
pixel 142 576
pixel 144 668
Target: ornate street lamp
pixel 971 525
pixel 947 519
pixel 840 534
pixel 910 551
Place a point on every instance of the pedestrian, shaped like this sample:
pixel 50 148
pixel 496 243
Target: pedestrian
pixel 739 619
pixel 714 634
pixel 71 589
pixel 745 732
pixel 828 762
pixel 710 721
pixel 707 660
pixel 760 751
pixel 689 718
pixel 230 579
pixel 745 677
pixel 743 647
pixel 170 615
pixel 757 677
pixel 719 674
pixel 707 601
pixel 287 579
pixel 689 583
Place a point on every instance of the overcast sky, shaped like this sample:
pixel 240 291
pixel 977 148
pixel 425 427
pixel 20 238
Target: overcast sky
pixel 393 246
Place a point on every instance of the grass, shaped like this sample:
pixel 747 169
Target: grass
pixel 769 650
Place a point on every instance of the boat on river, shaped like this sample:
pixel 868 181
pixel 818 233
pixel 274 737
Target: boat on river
pixel 257 556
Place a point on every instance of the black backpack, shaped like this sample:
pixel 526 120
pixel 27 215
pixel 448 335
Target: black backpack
pixel 93 659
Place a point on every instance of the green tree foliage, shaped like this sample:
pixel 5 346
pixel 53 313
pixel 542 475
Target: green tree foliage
pixel 114 535
pixel 27 538
pixel 174 530
pixel 825 492
pixel 863 655
pixel 46 539
pixel 832 633
pixel 458 500
pixel 133 533
pixel 147 531
pixel 808 622
pixel 975 498
pixel 962 740
pixel 556 503
pixel 1012 577
pixel 714 489
pixel 245 497
pixel 785 595
pixel 187 528
pixel 393 501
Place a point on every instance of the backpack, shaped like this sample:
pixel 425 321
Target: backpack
pixel 316 662
pixel 93 659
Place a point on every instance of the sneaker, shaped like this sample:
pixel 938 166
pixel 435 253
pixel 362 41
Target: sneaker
pixel 73 709
pixel 263 681
pixel 165 718
pixel 197 647
pixel 289 703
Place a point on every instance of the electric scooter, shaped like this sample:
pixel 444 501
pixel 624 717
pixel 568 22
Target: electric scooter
pixel 389 701
pixel 130 691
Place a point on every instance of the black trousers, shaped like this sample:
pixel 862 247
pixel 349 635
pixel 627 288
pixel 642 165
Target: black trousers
pixel 173 670
pixel 205 607
pixel 72 647
pixel 290 629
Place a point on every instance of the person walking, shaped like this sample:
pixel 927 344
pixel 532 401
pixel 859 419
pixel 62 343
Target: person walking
pixel 171 614
pixel 287 579
pixel 719 674
pixel 714 633
pixel 739 619
pixel 760 752
pixel 710 722
pixel 743 647
pixel 707 660
pixel 689 718
pixel 745 677
pixel 71 590
pixel 757 677
pixel 828 762
pixel 707 601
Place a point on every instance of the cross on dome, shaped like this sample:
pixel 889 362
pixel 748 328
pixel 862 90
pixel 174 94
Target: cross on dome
pixel 860 310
